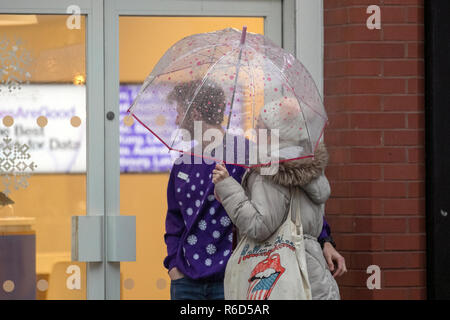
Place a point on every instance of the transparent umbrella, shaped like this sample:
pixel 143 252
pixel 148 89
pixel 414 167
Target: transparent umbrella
pixel 234 81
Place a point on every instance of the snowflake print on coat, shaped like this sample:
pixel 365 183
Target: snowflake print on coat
pixel 192 239
pixel 202 225
pixel 211 249
pixel 225 221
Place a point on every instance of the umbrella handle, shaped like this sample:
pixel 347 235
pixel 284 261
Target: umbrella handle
pixel 244 33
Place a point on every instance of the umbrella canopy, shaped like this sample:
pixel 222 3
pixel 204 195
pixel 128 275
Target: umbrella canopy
pixel 232 81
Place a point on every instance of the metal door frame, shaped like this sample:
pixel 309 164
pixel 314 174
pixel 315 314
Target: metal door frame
pixel 270 10
pixel 95 155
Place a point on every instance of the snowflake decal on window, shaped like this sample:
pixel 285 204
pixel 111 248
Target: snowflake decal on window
pixel 14 165
pixel 14 62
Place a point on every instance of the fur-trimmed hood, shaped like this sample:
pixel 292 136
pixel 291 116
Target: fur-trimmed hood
pixel 298 172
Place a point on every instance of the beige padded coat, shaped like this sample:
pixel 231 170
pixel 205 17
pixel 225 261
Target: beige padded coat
pixel 259 206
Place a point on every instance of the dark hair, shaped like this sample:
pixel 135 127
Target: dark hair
pixel 209 101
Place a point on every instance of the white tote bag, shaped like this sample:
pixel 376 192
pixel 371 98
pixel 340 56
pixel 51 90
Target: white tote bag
pixel 275 269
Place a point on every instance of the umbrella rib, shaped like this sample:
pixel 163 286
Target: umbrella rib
pixel 194 51
pixel 172 71
pixel 238 67
pixel 253 92
pixel 214 45
pixel 290 85
pixel 198 89
pixel 298 100
pixel 184 68
pixel 250 73
pixel 143 88
pixel 164 73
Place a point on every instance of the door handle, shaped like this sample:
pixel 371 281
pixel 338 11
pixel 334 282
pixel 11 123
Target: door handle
pixel 121 238
pixel 88 235
pixel 87 238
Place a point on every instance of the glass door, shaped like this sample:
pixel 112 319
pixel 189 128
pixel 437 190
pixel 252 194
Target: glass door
pixel 137 35
pixel 83 188
pixel 49 147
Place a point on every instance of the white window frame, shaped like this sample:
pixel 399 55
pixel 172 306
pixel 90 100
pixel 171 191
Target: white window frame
pixel 303 35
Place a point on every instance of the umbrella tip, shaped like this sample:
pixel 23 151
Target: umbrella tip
pixel 244 33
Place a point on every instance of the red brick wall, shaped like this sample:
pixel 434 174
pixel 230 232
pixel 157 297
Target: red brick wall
pixel 374 95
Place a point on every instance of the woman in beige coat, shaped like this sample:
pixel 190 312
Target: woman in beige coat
pixel 259 206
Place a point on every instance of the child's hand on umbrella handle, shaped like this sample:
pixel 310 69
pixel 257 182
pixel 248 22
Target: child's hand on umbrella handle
pixel 220 173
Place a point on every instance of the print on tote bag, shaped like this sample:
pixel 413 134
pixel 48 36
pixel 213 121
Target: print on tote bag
pixel 267 272
pixel 264 277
